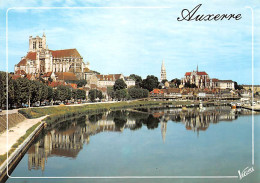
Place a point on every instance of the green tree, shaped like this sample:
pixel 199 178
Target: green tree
pixel 111 92
pixel 81 82
pixel 150 82
pixel 119 84
pixel 2 88
pixel 175 82
pixel 138 80
pixel 163 81
pixel 121 94
pixel 50 93
pixel 64 92
pixel 137 93
pixel 238 87
pixel 24 85
pixel 94 94
pixel 56 94
pixel 81 94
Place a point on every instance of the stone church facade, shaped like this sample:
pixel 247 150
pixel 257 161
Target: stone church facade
pixel 40 59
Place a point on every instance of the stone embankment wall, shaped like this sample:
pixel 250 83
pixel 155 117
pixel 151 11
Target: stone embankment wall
pixel 13 119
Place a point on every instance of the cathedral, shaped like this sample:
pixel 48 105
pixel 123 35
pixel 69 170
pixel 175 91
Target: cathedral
pixel 40 59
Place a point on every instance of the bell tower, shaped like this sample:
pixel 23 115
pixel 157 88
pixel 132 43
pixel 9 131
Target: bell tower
pixel 163 71
pixel 37 43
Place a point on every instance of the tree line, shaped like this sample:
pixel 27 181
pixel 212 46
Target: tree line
pixel 23 91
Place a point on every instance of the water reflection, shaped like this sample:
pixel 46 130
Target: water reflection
pixel 67 139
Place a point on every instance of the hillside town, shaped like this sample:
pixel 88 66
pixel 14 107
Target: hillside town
pixel 62 77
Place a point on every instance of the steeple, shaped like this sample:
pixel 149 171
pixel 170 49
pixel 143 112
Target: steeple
pixel 197 68
pixel 163 71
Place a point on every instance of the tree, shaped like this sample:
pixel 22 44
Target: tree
pixel 188 85
pixel 81 94
pixel 238 87
pixel 94 94
pixel 50 93
pixel 24 85
pixel 56 94
pixel 137 93
pixel 121 94
pixel 64 92
pixel 163 81
pixel 150 82
pixel 119 84
pixel 175 82
pixel 138 80
pixel 111 92
pixel 81 82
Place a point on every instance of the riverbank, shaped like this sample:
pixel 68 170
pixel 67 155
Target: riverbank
pixel 18 150
pixel 60 112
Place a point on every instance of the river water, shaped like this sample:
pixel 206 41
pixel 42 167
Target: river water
pixel 215 141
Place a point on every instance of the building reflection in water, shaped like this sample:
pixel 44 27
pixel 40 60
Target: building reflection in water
pixel 68 138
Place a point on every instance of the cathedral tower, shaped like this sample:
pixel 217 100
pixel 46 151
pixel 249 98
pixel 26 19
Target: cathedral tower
pixel 163 72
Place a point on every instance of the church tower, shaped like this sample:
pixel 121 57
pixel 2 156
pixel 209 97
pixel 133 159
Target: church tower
pixel 163 72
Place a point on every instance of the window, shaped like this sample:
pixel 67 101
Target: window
pixel 34 45
pixel 40 44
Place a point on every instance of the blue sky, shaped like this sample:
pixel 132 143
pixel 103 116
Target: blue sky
pixel 135 40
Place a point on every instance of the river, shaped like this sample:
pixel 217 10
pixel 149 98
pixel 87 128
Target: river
pixel 161 142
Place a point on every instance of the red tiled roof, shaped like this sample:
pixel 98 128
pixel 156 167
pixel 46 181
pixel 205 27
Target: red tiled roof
pixel 20 72
pixel 48 74
pixel 73 85
pixel 31 55
pixel 202 73
pixel 29 76
pixel 23 62
pixel 187 73
pixel 65 53
pixel 15 76
pixel 171 90
pixel 55 84
pixel 226 81
pixel 157 91
pixel 215 80
pixel 69 76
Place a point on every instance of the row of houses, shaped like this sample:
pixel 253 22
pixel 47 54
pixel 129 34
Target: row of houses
pixel 193 93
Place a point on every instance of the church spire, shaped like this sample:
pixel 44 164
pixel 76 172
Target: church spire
pixel 163 71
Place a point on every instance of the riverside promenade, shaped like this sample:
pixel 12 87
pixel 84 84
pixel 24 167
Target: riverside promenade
pixel 15 133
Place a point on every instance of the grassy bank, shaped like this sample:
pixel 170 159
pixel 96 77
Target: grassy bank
pixel 19 142
pixel 62 112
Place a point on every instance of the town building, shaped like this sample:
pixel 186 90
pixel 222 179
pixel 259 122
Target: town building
pixel 40 59
pixel 198 78
pixel 201 80
pixel 101 80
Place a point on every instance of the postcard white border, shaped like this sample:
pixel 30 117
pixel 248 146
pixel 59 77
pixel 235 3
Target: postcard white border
pixel 122 177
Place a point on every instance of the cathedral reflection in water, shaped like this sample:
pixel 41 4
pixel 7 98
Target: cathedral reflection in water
pixel 68 139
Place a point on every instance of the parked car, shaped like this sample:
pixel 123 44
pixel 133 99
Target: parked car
pixel 1 110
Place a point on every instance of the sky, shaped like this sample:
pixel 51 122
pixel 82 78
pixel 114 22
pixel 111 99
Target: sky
pixel 134 36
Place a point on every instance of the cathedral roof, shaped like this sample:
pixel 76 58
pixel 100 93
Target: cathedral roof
pixel 187 73
pixel 65 53
pixel 202 73
pixel 31 55
pixel 23 62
